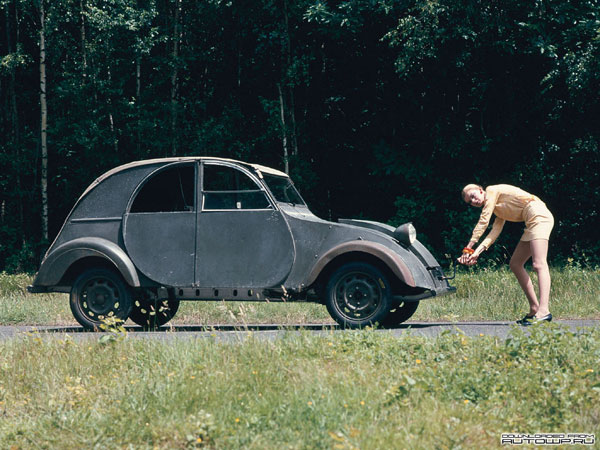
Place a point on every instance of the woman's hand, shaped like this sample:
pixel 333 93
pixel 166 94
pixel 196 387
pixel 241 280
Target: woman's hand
pixel 470 259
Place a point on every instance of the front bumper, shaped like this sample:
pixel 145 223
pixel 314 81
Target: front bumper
pixel 427 293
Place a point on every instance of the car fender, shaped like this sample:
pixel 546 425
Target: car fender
pixel 391 259
pixel 60 259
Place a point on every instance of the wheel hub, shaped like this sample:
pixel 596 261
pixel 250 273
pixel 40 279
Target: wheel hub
pixel 101 297
pixel 357 295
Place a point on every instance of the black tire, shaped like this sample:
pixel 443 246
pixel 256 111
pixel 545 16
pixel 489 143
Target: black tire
pixel 98 294
pixel 399 313
pixel 151 313
pixel 358 295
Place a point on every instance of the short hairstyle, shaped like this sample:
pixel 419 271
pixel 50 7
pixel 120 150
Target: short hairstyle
pixel 467 188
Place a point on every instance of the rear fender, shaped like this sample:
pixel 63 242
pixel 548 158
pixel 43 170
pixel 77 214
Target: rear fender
pixel 56 264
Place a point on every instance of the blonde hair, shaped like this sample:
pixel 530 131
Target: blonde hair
pixel 468 188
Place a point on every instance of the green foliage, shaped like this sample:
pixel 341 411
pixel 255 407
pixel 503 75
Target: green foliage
pixel 397 105
pixel 115 329
pixel 12 61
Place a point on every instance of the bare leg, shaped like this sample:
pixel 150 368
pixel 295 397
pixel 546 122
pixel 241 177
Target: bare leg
pixel 517 264
pixel 539 250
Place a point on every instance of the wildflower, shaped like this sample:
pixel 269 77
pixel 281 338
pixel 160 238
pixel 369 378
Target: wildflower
pixel 309 403
pixel 418 361
pixel 237 420
pixel 199 440
pixel 193 377
pixel 590 370
pixel 362 403
pixel 466 401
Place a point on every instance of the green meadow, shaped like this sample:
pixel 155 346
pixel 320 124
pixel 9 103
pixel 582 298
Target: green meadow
pixel 341 390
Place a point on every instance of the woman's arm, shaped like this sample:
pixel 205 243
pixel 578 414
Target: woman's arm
pixel 470 259
pixel 493 234
pixel 491 198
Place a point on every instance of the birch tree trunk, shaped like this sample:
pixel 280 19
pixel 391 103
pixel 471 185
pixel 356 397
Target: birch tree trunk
pixel 111 119
pixel 286 156
pixel 44 120
pixel 83 42
pixel 176 37
pixel 287 50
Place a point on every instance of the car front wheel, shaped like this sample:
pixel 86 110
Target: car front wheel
pixel 98 294
pixel 358 295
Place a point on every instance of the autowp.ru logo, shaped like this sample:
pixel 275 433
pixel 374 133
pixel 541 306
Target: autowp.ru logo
pixel 548 439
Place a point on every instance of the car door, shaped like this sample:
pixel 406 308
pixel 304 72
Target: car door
pixel 242 239
pixel 159 229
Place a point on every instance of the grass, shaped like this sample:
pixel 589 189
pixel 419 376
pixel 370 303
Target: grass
pixel 487 294
pixel 348 390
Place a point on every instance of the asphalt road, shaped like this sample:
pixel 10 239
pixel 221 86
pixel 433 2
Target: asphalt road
pixel 236 333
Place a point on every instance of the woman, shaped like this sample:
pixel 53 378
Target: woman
pixel 510 203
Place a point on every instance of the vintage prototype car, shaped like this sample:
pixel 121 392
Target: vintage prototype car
pixel 148 234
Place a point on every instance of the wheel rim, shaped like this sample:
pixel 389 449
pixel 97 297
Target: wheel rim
pixel 357 296
pixel 100 298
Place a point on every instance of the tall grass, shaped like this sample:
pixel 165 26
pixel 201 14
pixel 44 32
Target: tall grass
pixel 345 390
pixel 482 294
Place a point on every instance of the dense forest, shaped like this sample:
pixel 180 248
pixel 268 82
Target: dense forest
pixel 380 109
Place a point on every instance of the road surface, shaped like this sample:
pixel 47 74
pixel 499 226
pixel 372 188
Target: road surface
pixel 233 333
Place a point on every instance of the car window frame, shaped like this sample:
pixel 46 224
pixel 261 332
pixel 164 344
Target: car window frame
pixel 151 175
pixel 260 187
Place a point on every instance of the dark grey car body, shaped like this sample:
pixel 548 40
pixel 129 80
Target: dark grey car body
pixel 252 239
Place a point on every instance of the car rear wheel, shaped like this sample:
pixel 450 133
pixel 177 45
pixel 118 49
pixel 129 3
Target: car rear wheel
pixel 399 313
pixel 151 313
pixel 358 295
pixel 98 294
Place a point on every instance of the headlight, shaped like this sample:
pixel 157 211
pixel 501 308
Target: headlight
pixel 407 233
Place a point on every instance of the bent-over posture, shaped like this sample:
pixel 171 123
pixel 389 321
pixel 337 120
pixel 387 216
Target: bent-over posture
pixel 510 203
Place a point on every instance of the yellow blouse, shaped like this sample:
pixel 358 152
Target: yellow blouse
pixel 507 203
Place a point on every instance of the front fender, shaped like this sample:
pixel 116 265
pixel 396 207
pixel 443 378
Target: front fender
pixel 59 260
pixel 393 261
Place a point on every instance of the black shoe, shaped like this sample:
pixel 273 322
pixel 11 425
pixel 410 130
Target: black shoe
pixel 534 320
pixel 525 319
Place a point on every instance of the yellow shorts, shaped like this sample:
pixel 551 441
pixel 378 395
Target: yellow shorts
pixel 538 221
